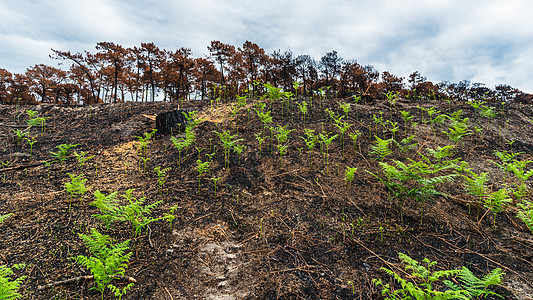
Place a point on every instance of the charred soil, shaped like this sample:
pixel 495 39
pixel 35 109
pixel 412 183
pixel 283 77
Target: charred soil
pixel 276 227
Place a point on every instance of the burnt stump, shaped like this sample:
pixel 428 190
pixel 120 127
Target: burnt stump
pixel 171 121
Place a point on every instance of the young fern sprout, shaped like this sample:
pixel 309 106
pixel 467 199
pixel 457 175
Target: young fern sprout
pixel 62 154
pixel 342 127
pixel 525 213
pixel 282 135
pixel 228 142
pixel 201 168
pixel 303 110
pixel 476 184
pixel 31 141
pixel 354 136
pixel 295 85
pixel 381 147
pixel 161 176
pixel 171 215
pixel 215 180
pixel 4 217
pixel 82 157
pixel 310 140
pixel 20 136
pixel 458 129
pixel 184 143
pixel 144 141
pixel 260 139
pixel 239 149
pixel 133 212
pixel 496 202
pixel 76 186
pixel 349 175
pixel 415 180
pixel 345 107
pixel 326 140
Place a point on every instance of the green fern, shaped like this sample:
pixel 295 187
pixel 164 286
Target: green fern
pixel 349 175
pixel 476 183
pixel 107 205
pixel 476 287
pixel 381 148
pixel 423 287
pixel 416 180
pixel 76 186
pixel 108 261
pixel 134 212
pixel 9 287
pixel 525 213
pixel 4 217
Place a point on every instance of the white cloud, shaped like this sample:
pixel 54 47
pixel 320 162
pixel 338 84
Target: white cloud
pixel 485 41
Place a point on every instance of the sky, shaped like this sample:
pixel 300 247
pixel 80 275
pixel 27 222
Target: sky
pixel 489 41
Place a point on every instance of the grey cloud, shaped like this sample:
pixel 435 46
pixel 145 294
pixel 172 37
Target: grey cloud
pixel 445 40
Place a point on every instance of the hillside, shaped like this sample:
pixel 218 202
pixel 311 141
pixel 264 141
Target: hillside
pixel 275 227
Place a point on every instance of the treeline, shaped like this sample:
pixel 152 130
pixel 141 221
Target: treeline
pixel 147 73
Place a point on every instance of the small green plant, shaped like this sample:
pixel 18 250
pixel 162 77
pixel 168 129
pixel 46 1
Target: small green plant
pixel 416 180
pixel 215 180
pixel 425 280
pixel 171 215
pixel 143 146
pixel 349 175
pixel 133 212
pixel 342 127
pixel 303 110
pixel 346 108
pixel 228 142
pixel 4 217
pixel 260 139
pixel 76 186
pixel 310 139
pixel 31 140
pixel 458 129
pixel 497 201
pixel 82 157
pixel 63 153
pixel 476 184
pixel 282 136
pixel 9 287
pixel 354 136
pixel 475 287
pixel 107 205
pixel 20 136
pixel 36 121
pixel 525 213
pixel 109 261
pixel 326 141
pixel 161 176
pixel 392 97
pixel 201 168
pixel 381 147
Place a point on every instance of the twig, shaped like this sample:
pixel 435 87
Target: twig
pixel 149 235
pixel 77 279
pixel 169 294
pixel 21 167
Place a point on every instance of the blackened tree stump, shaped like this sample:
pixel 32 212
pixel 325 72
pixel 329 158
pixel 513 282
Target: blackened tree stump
pixel 171 121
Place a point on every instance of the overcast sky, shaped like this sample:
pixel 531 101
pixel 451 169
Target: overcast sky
pixel 482 41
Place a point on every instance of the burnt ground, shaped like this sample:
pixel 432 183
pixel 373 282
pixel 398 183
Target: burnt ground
pixel 271 231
